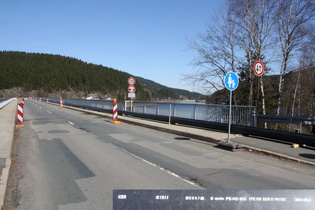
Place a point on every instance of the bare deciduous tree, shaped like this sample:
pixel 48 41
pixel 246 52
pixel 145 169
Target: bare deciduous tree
pixel 249 30
pixel 292 19
pixel 254 18
pixel 216 51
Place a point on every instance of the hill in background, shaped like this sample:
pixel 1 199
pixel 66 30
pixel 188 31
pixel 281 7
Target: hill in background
pixel 39 75
pixel 160 91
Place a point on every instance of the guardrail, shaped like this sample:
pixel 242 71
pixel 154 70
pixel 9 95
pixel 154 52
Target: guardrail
pixel 286 119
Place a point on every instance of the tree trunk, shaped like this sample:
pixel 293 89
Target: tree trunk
pixel 251 81
pixel 263 106
pixel 281 80
pixel 294 96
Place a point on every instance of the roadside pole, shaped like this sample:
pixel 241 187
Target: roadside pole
pixel 169 116
pixel 259 70
pixel 61 103
pixel 115 112
pixel 20 113
pixel 131 90
pixel 230 116
pixel 231 83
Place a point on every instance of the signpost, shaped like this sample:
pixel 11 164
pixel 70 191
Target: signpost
pixel 231 83
pixel 259 69
pixel 131 90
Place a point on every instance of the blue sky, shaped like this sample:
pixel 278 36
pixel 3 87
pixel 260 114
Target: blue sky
pixel 147 38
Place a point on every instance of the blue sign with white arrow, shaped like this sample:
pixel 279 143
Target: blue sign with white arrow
pixel 231 81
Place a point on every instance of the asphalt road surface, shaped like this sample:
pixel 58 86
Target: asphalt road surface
pixel 66 159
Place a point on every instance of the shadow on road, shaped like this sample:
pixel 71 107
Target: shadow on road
pixel 310 156
pixel 181 138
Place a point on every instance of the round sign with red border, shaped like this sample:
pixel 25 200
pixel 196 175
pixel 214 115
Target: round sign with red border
pixel 259 68
pixel 131 81
pixel 131 89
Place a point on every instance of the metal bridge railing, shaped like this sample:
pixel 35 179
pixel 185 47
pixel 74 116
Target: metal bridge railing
pixel 241 115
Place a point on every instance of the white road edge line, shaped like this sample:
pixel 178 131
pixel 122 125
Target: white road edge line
pixel 165 170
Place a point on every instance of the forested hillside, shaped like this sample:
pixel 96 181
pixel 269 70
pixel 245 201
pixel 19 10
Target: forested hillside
pixel 54 74
pixel 160 91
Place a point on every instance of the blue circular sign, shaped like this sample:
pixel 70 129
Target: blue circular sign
pixel 231 81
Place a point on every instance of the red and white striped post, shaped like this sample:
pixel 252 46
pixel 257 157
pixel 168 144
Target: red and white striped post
pixel 20 113
pixel 47 100
pixel 115 112
pixel 61 103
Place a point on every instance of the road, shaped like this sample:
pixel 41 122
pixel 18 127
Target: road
pixel 67 159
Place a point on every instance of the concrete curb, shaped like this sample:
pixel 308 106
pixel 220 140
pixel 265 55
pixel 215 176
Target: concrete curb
pixel 7 123
pixel 276 155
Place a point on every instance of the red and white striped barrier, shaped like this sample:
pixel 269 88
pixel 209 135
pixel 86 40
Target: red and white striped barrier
pixel 61 103
pixel 20 113
pixel 115 112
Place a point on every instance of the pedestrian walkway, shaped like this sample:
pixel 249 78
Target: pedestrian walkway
pixel 7 126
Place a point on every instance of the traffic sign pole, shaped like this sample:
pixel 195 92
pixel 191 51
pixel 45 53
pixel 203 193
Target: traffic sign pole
pixel 131 89
pixel 259 70
pixel 231 83
pixel 230 116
